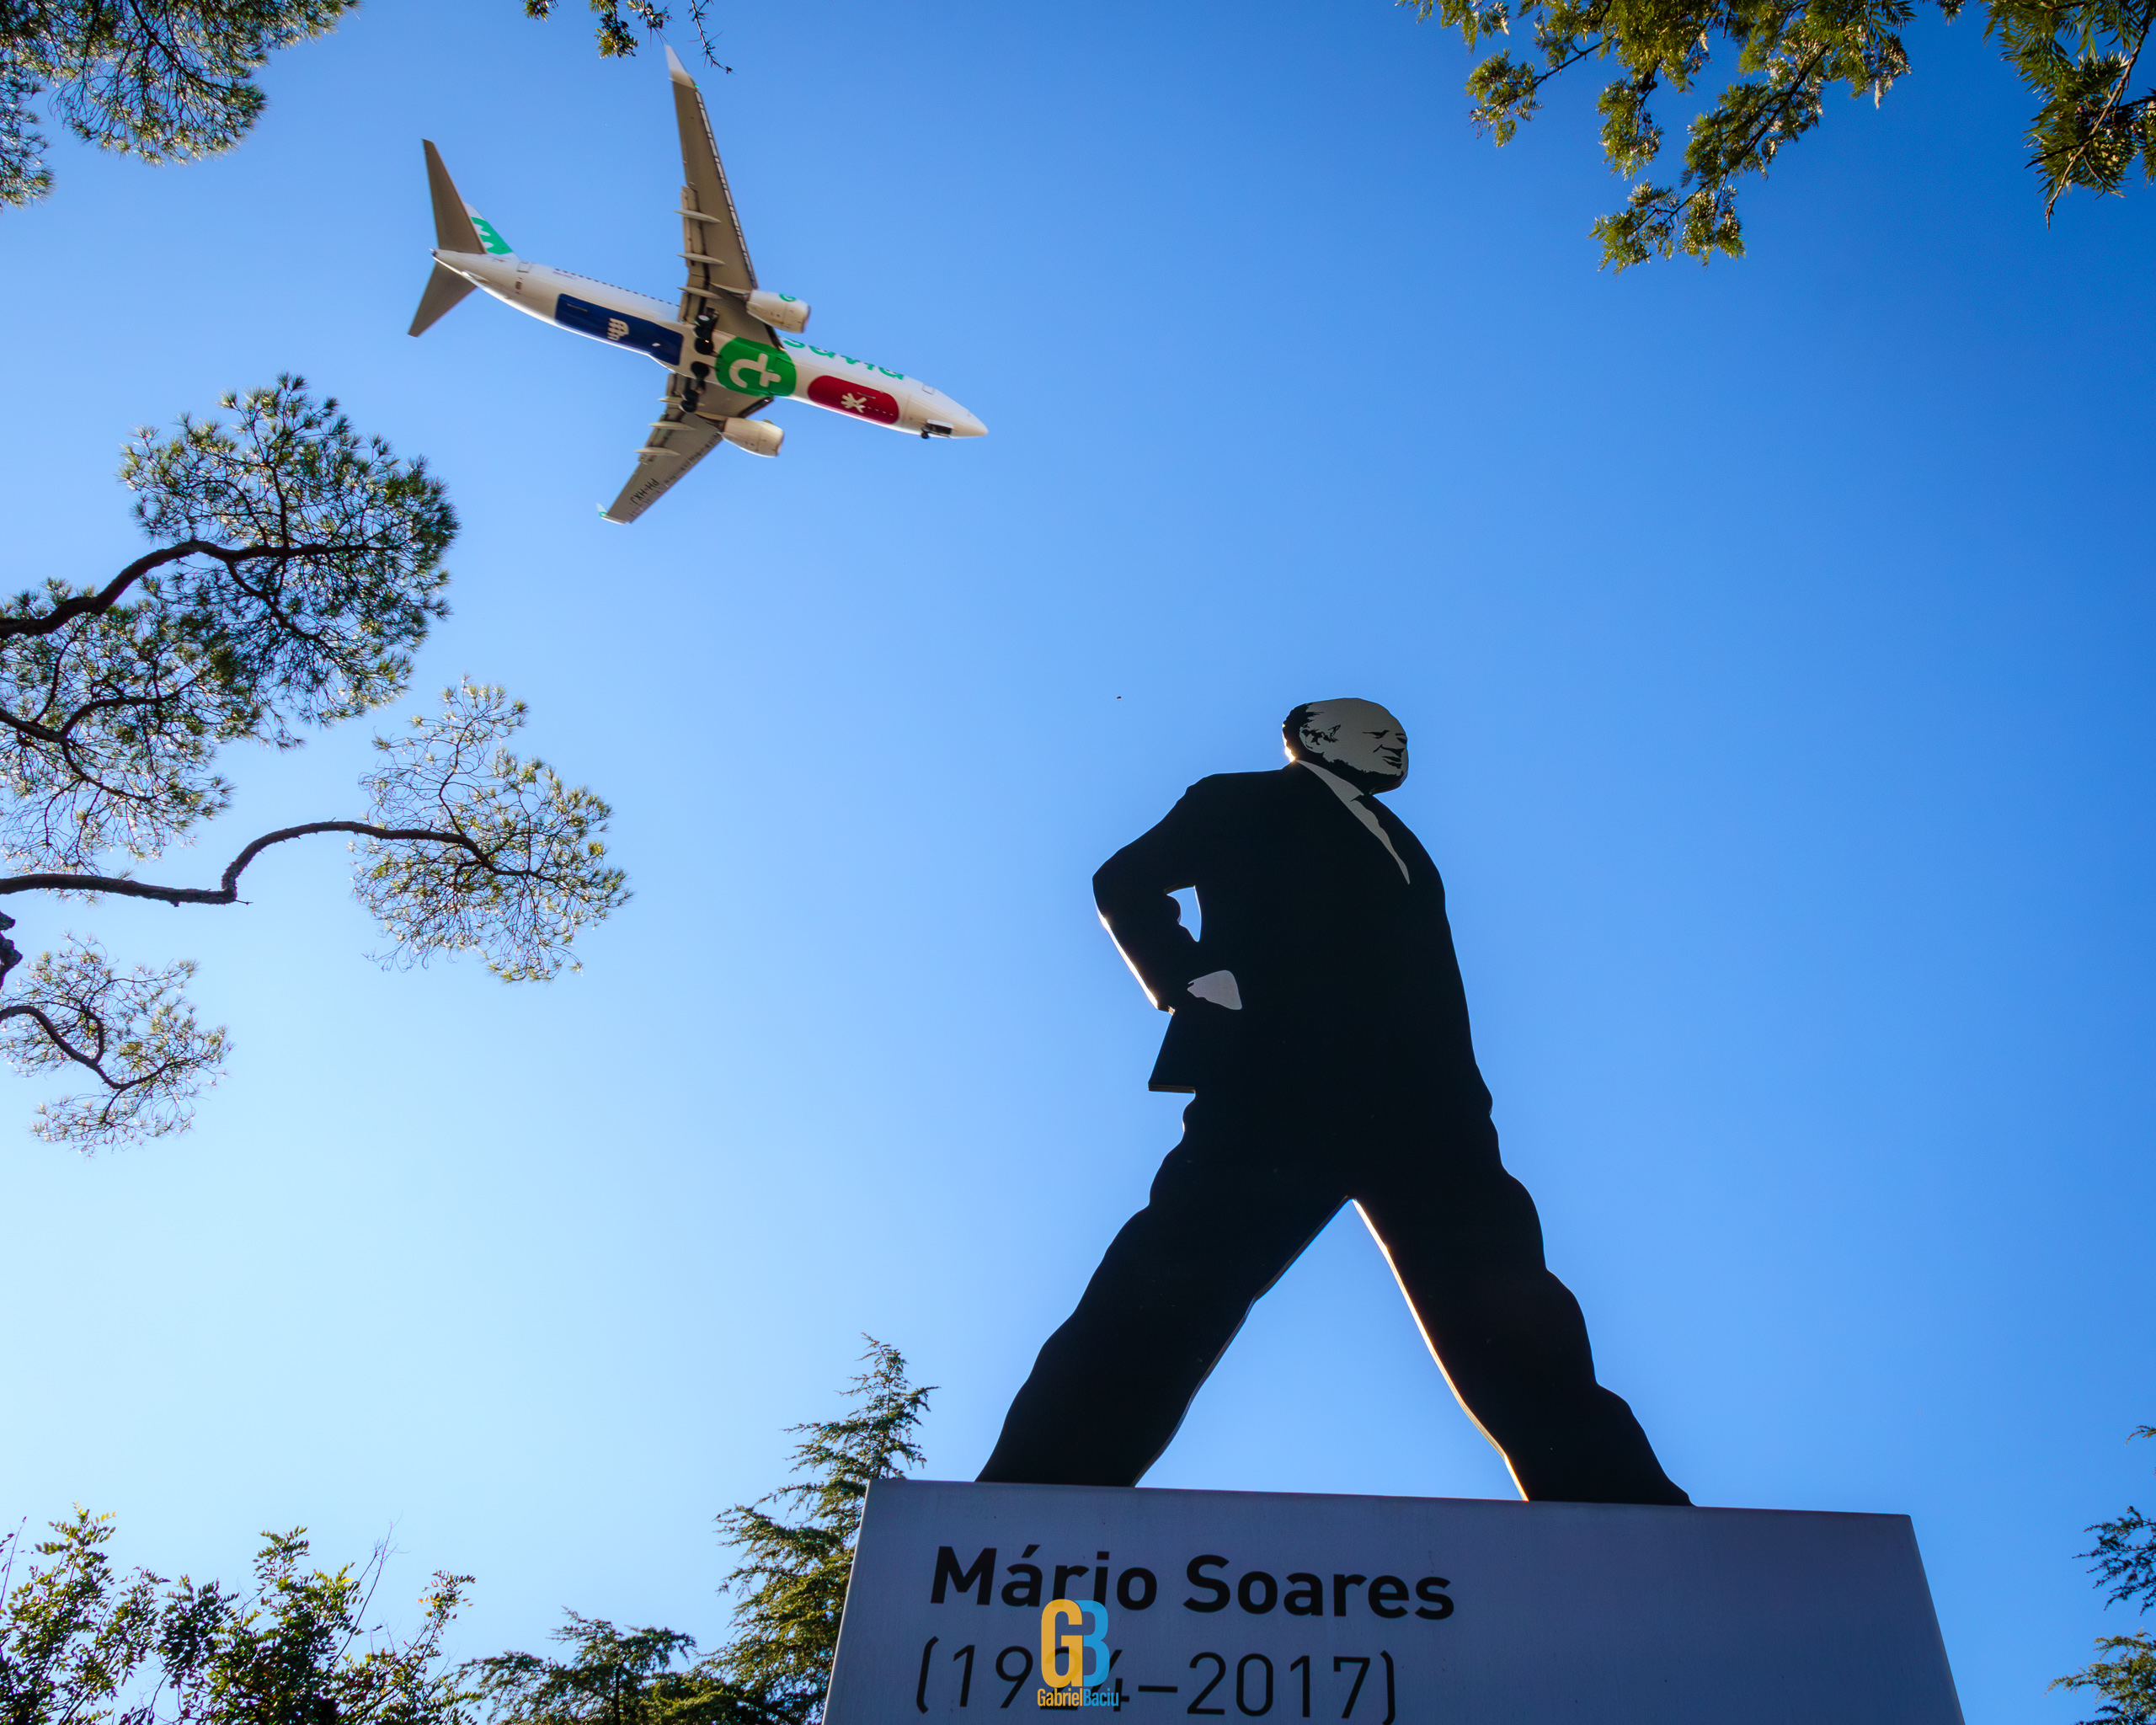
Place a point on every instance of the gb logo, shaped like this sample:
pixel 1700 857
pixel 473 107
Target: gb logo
pixel 753 369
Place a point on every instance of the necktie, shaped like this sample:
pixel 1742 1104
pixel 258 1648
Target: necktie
pixel 1377 813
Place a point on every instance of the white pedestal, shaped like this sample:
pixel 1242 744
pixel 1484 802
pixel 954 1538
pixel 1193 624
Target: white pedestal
pixel 1384 1610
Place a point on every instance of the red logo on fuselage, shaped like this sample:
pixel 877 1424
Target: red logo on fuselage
pixel 859 399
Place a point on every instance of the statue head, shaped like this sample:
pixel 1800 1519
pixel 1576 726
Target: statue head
pixel 1358 740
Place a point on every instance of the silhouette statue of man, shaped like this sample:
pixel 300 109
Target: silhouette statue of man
pixel 1322 1028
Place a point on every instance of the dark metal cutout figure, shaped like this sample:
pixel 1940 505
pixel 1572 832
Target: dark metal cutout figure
pixel 1325 937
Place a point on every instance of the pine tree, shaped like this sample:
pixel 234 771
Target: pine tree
pixel 612 1677
pixel 174 81
pixel 793 1583
pixel 2124 1561
pixel 296 569
pixel 792 1592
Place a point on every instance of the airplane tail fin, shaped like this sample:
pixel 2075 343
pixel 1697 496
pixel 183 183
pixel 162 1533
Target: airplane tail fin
pixel 458 228
pixel 453 228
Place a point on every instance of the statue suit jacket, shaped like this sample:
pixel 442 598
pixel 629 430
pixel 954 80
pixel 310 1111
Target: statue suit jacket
pixel 1339 961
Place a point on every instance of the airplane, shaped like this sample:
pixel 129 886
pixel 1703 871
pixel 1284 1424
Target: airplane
pixel 726 358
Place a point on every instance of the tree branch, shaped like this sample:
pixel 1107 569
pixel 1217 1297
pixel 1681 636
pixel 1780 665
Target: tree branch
pixel 118 1085
pixel 2062 183
pixel 228 892
pixel 60 737
pixel 92 604
pixel 1581 50
pixel 88 604
pixel 1771 118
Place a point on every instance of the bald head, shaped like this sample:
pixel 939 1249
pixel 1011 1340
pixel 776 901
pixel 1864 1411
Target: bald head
pixel 1357 739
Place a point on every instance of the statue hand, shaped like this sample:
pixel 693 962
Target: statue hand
pixel 1218 986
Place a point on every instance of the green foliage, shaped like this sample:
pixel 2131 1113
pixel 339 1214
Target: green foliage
pixel 72 1634
pixel 2125 1552
pixel 302 566
pixel 299 568
pixel 80 1644
pixel 530 870
pixel 612 1677
pixel 138 1030
pixel 2091 128
pixel 793 1586
pixel 168 82
pixel 2125 1562
pixel 615 30
pixel 346 576
pixel 619 20
pixel 174 81
pixel 791 1592
pixel 2128 1683
pixel 2077 56
pixel 23 176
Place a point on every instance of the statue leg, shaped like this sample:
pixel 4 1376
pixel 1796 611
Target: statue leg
pixel 1232 1207
pixel 1466 1244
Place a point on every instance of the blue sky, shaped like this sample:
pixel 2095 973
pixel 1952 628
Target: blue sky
pixel 1774 638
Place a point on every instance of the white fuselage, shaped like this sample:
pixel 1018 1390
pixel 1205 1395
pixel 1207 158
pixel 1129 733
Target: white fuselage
pixel 621 318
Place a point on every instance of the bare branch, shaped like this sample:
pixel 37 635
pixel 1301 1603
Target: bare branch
pixel 227 892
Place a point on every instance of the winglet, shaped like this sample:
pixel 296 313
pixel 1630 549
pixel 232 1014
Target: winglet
pixel 676 70
pixel 453 228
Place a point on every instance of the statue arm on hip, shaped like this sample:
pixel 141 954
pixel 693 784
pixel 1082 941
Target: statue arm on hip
pixel 1135 891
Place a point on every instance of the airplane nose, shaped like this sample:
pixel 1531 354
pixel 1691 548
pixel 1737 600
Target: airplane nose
pixel 942 416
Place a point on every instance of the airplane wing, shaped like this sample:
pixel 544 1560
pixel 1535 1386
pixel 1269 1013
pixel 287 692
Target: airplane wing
pixel 678 442
pixel 720 274
pixel 720 278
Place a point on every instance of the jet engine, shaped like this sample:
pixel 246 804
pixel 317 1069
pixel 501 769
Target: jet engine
pixel 781 311
pixel 757 436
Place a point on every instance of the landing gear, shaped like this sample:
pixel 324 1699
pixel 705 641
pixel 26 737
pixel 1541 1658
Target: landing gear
pixel 692 385
pixel 706 320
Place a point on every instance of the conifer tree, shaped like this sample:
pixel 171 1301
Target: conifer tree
pixel 2124 1559
pixel 174 80
pixel 790 1594
pixel 298 567
pixel 166 81
pixel 610 1677
pixel 793 1585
